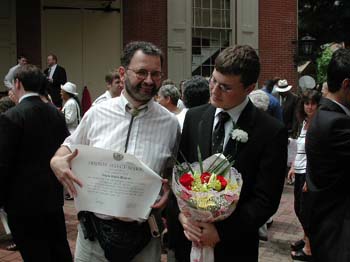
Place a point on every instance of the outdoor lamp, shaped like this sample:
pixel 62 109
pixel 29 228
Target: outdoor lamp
pixel 307 44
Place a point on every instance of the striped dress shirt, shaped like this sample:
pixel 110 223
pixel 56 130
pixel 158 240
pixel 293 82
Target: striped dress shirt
pixel 153 138
pixel 104 97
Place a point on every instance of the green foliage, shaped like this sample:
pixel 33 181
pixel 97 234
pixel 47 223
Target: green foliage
pixel 322 64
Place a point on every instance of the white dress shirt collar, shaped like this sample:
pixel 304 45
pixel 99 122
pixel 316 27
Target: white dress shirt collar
pixel 27 95
pixel 234 112
pixel 126 104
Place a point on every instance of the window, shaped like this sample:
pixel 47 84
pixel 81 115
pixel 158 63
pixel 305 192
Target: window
pixel 211 32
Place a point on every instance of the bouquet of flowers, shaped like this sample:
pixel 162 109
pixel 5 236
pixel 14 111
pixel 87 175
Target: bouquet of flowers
pixel 206 191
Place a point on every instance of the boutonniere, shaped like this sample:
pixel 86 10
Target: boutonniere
pixel 239 135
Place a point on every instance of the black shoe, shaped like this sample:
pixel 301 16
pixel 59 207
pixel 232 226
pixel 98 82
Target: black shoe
pixel 301 256
pixel 263 238
pixel 269 223
pixel 298 245
pixel 12 247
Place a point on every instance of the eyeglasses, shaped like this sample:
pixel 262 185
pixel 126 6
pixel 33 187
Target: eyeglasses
pixel 222 87
pixel 142 74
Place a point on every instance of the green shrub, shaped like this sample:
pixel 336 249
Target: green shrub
pixel 322 64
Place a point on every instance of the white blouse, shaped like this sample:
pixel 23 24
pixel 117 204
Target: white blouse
pixel 300 158
pixel 71 113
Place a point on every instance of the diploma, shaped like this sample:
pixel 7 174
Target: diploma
pixel 114 184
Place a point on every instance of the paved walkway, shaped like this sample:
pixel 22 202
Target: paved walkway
pixel 284 230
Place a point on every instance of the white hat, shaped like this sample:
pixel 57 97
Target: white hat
pixel 70 88
pixel 282 86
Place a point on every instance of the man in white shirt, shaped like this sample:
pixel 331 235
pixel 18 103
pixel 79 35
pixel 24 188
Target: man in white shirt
pixel 114 87
pixel 8 80
pixel 133 123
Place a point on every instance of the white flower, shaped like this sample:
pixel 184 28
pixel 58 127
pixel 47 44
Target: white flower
pixel 239 135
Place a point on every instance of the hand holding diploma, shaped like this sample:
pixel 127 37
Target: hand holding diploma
pixel 161 203
pixel 115 184
pixel 61 165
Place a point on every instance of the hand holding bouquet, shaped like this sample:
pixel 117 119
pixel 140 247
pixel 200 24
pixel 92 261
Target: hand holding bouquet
pixel 206 191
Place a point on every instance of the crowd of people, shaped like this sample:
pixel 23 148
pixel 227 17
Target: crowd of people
pixel 41 122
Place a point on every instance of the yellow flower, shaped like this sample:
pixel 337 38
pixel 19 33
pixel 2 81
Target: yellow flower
pixel 204 202
pixel 232 186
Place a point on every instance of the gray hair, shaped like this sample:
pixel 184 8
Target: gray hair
pixel 170 91
pixel 260 99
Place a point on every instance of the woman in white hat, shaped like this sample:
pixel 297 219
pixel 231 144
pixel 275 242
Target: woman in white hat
pixel 71 105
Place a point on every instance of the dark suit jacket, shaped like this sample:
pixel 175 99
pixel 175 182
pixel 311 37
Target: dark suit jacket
pixel 261 161
pixel 328 154
pixel 59 78
pixel 289 113
pixel 30 134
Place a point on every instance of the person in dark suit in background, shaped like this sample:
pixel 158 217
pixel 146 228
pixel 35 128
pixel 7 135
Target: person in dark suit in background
pixel 261 160
pixel 57 76
pixel 328 155
pixel 30 134
pixel 288 101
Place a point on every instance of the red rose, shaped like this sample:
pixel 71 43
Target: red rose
pixel 222 181
pixel 205 177
pixel 186 180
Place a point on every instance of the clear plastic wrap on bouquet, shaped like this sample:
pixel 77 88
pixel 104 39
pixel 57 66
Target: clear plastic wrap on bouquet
pixel 211 205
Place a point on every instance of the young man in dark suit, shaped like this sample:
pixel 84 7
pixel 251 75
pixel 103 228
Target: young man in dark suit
pixel 30 134
pixel 261 160
pixel 328 155
pixel 56 76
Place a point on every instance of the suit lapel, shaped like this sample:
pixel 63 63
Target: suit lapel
pixel 205 129
pixel 246 123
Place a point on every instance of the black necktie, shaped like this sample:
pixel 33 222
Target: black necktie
pixel 134 112
pixel 219 133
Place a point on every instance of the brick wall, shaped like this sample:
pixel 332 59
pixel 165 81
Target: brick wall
pixel 277 30
pixel 28 23
pixel 146 20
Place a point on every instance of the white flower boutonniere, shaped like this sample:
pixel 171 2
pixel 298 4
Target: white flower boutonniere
pixel 239 135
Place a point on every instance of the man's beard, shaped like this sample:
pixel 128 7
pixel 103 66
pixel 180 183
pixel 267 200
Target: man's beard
pixel 134 91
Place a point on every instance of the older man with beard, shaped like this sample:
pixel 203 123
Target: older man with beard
pixel 133 123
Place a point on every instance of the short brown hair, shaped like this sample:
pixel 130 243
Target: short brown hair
pixel 239 60
pixel 111 76
pixel 30 76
